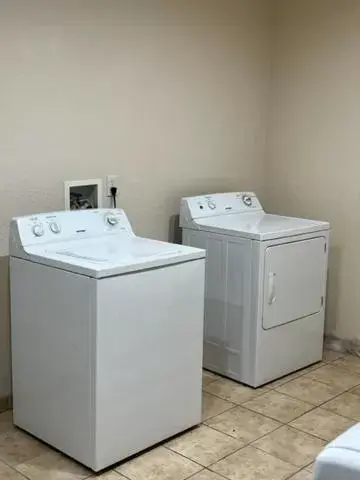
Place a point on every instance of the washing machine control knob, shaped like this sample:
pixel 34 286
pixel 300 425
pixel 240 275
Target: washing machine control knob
pixel 112 220
pixel 211 205
pixel 247 200
pixel 38 230
pixel 55 227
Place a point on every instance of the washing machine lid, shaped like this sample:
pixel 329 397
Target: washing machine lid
pixel 109 256
pixel 260 226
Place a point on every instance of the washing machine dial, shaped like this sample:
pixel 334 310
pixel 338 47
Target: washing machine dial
pixel 55 227
pixel 247 200
pixel 211 205
pixel 38 230
pixel 112 220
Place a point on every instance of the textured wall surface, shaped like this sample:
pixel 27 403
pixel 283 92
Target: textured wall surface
pixel 313 164
pixel 170 95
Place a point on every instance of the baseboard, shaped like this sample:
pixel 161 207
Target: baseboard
pixel 5 403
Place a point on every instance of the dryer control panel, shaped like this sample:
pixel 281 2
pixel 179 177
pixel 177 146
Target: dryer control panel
pixel 219 204
pixel 68 225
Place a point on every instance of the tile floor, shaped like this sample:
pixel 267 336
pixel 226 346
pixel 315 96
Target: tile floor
pixel 272 433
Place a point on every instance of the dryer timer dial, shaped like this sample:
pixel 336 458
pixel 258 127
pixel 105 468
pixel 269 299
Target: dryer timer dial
pixel 247 200
pixel 55 227
pixel 112 220
pixel 38 230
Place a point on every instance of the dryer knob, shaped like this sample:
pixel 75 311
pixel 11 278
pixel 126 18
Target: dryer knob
pixel 211 205
pixel 55 227
pixel 38 230
pixel 247 200
pixel 112 220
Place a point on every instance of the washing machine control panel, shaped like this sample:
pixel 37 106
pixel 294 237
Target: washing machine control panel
pixel 221 204
pixel 69 225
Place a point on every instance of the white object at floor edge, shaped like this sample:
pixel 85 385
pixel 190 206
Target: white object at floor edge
pixel 340 460
pixel 265 286
pixel 106 334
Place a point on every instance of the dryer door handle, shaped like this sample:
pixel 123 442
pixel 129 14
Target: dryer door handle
pixel 271 288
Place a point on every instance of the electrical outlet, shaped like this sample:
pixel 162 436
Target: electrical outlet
pixel 111 181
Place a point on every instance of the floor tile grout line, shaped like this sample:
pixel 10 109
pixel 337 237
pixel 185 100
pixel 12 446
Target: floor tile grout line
pixel 206 469
pixel 347 390
pixel 299 416
pixel 298 428
pixel 219 459
pixel 289 426
pixel 241 448
pixel 252 446
pixel 225 456
pixel 307 401
pixel 261 394
pixel 287 422
pixel 251 443
pixel 324 383
pixel 236 403
pixel 317 436
pixel 293 474
pixel 219 431
pixel 16 471
pixel 355 420
pixel 250 411
pixel 121 475
pixel 321 405
pixel 184 456
pixel 308 466
pixel 264 415
pixel 342 369
pixel 218 414
pixel 209 383
pixel 337 396
pixel 233 405
pixel 262 436
pixel 204 420
pixel 277 456
pixel 22 474
pixel 13 467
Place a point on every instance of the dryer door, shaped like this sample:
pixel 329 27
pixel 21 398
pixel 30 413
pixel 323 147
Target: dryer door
pixel 294 279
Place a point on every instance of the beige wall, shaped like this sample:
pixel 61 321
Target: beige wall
pixel 313 166
pixel 170 95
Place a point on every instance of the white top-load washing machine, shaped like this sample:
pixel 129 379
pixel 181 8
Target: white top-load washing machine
pixel 107 333
pixel 265 286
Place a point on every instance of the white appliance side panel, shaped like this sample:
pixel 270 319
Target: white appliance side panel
pixel 215 291
pixel 149 358
pixel 238 307
pixel 294 276
pixel 215 356
pixel 228 303
pixel 51 329
pixel 215 283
